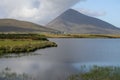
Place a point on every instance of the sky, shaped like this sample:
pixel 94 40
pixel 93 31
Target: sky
pixel 38 11
pixel 44 11
pixel 107 10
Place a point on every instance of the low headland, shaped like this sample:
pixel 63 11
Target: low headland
pixel 23 43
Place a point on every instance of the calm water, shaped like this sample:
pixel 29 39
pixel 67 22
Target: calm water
pixel 58 63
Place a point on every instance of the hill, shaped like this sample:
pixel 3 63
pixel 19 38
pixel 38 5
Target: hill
pixel 12 25
pixel 73 21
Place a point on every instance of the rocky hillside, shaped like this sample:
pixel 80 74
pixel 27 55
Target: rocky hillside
pixel 73 21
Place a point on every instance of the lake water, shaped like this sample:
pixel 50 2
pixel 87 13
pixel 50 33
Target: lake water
pixel 66 59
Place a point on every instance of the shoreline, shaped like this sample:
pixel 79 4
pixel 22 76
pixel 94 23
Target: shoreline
pixel 104 36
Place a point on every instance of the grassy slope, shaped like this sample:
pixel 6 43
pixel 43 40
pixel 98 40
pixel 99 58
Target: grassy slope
pixel 12 25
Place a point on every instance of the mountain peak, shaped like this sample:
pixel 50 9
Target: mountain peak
pixel 73 21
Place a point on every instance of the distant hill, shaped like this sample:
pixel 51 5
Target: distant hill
pixel 12 25
pixel 73 21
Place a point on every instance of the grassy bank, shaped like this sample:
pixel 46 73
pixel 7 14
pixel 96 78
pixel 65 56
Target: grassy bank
pixel 98 73
pixel 19 46
pixel 22 36
pixel 22 43
pixel 81 35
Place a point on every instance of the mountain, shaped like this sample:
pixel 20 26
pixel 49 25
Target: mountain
pixel 12 25
pixel 73 21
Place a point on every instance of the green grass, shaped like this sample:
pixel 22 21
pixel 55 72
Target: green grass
pixel 98 73
pixel 19 46
pixel 22 36
pixel 22 43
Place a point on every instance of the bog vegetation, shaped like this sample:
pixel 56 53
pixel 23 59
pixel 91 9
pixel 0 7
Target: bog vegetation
pixel 98 73
pixel 81 35
pixel 7 74
pixel 22 43
pixel 22 36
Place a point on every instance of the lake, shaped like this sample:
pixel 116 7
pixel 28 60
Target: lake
pixel 60 62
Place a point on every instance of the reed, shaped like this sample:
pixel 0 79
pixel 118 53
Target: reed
pixel 98 73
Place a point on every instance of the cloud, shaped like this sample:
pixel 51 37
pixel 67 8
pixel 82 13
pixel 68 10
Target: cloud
pixel 91 12
pixel 39 11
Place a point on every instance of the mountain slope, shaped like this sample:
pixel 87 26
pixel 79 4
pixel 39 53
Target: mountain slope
pixel 12 25
pixel 72 21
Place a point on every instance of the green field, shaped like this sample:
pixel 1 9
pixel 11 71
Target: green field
pixel 23 43
pixel 19 46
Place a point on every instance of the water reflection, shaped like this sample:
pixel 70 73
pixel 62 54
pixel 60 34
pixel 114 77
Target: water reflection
pixel 42 70
pixel 66 59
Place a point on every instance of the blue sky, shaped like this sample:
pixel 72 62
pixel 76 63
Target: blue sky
pixel 109 8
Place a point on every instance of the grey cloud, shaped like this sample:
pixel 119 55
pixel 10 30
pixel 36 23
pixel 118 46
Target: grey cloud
pixel 39 11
